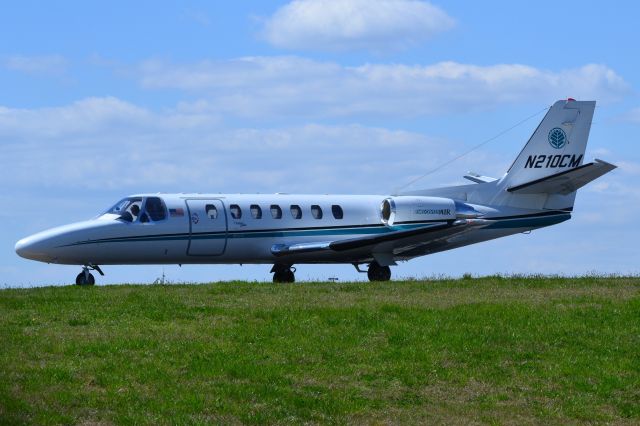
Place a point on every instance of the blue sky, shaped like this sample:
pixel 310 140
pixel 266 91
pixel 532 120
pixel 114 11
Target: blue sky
pixel 355 96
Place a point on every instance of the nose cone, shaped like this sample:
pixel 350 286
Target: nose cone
pixel 60 245
pixel 34 247
pixel 22 248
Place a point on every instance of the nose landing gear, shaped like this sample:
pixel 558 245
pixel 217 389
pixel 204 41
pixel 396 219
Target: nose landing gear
pixel 85 277
pixel 283 274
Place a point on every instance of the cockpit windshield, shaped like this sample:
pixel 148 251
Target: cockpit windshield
pixel 128 209
pixel 139 209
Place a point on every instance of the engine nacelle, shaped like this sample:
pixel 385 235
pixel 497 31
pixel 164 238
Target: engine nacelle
pixel 406 209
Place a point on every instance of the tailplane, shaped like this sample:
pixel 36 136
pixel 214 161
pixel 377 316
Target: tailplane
pixel 566 182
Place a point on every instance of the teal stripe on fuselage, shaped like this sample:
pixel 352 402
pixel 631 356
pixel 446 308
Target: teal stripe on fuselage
pixel 271 233
pixel 502 223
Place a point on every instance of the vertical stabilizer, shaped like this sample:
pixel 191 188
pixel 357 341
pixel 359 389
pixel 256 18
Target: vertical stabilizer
pixel 558 144
pixel 548 170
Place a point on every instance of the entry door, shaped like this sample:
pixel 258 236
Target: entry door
pixel 208 228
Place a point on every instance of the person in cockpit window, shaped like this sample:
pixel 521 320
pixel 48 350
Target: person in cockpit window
pixel 135 211
pixel 131 214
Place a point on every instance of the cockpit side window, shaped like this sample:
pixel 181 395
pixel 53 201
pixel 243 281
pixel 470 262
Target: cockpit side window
pixel 155 208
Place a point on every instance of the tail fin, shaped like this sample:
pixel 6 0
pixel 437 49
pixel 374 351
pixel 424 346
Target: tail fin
pixel 558 144
pixel 556 147
pixel 548 170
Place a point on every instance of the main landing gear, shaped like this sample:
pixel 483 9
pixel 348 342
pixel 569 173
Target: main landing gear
pixel 85 277
pixel 283 274
pixel 378 273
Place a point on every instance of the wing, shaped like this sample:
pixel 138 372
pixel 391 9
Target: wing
pixel 391 243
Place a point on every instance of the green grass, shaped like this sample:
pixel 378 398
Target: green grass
pixel 483 350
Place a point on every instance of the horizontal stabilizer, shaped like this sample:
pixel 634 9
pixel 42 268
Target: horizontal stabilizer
pixel 474 177
pixel 565 182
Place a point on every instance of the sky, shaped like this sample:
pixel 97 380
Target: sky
pixel 102 100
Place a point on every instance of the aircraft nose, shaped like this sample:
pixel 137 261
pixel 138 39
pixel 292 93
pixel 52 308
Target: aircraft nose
pixel 21 248
pixel 25 248
pixel 33 247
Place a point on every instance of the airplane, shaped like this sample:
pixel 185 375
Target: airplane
pixel 375 231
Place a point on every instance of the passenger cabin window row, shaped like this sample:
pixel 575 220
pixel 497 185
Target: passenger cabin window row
pixel 276 211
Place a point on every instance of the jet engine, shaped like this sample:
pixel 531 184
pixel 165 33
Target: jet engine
pixel 408 209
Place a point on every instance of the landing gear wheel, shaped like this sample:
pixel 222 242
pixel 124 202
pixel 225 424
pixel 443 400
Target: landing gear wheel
pixel 378 273
pixel 283 275
pixel 84 278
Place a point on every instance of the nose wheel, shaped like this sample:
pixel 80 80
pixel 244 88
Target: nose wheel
pixel 85 277
pixel 378 273
pixel 283 274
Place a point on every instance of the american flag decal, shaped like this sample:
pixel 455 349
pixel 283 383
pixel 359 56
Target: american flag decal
pixel 176 212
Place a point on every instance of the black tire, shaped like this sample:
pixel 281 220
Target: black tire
pixel 289 276
pixel 81 279
pixel 284 276
pixel 378 273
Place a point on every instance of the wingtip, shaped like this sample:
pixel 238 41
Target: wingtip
pixel 606 163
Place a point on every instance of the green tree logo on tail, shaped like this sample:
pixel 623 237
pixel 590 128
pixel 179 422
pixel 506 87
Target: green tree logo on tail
pixel 557 138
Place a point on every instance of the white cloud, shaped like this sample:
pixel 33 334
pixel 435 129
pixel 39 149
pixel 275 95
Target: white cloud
pixel 46 64
pixel 629 167
pixel 91 116
pixel 109 143
pixel 294 86
pixel 354 24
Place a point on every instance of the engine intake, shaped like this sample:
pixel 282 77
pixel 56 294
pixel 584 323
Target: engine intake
pixel 408 209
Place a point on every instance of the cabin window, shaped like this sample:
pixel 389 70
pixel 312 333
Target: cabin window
pixel 256 211
pixel 236 211
pixel 276 211
pixel 337 211
pixel 316 211
pixel 296 211
pixel 212 211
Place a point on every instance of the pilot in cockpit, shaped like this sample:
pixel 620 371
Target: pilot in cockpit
pixel 131 213
pixel 135 211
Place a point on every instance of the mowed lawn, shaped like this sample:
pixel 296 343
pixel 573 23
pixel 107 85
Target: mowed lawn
pixel 483 350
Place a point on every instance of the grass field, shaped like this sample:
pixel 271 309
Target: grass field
pixel 483 350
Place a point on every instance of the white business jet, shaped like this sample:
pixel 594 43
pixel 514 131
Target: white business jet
pixel 375 231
